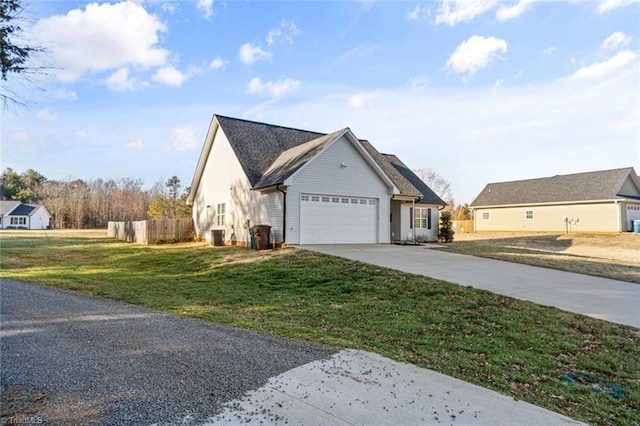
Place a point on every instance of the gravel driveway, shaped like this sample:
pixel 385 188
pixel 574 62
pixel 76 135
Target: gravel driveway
pixel 69 358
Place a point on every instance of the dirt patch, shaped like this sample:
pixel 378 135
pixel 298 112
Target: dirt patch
pixel 619 248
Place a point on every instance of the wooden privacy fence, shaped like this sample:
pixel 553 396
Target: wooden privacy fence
pixel 463 226
pixel 152 231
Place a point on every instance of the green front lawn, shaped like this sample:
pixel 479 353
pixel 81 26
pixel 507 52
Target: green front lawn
pixel 514 347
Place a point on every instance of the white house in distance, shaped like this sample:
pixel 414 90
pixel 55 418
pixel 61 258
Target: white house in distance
pixel 14 214
pixel 600 201
pixel 311 188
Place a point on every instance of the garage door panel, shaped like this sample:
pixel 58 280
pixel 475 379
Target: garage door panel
pixel 336 219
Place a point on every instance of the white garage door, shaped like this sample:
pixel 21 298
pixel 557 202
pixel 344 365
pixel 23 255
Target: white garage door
pixel 333 219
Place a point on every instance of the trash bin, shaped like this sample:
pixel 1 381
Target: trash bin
pixel 262 236
pixel 636 226
pixel 217 237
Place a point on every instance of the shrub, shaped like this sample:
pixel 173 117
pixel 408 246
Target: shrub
pixel 445 231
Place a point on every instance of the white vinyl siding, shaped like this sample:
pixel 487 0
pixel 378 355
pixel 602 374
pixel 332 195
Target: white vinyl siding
pixel 325 175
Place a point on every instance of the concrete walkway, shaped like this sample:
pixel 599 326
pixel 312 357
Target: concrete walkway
pixel 601 298
pixel 362 388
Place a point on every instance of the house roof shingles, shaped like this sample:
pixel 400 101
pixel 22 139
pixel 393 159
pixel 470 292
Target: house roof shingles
pixel 6 206
pixel 269 154
pixel 258 145
pixel 588 186
pixel 23 210
pixel 428 196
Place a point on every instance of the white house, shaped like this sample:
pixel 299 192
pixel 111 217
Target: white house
pixel 14 214
pixel 312 188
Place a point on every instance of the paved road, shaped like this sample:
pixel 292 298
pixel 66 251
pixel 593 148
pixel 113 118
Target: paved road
pixel 610 300
pixel 75 359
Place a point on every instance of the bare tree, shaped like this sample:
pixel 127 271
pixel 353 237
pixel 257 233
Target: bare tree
pixel 438 184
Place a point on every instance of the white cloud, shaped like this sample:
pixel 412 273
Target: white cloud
pixel 67 94
pixel 80 135
pixel 45 115
pixel 361 99
pixel 120 81
pixel 607 5
pixel 170 7
pixel 250 54
pixel 102 37
pixel 274 88
pixel 475 53
pixel 206 7
pixel 453 12
pixel 170 76
pixel 418 12
pixel 136 144
pixel 218 63
pixel 20 136
pixel 183 138
pixel 505 13
pixel 616 39
pixel 600 69
pixel 286 30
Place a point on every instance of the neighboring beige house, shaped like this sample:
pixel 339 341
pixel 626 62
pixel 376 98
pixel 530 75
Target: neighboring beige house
pixel 15 215
pixel 600 201
pixel 312 188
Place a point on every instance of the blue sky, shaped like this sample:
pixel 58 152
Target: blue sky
pixel 479 90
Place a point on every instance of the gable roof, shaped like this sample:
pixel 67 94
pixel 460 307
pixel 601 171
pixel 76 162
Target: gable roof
pixel 6 206
pixel 291 160
pixel 588 186
pixel 258 145
pixel 269 154
pixel 428 196
pixel 23 210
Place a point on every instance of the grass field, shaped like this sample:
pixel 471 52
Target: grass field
pixel 514 347
pixel 615 256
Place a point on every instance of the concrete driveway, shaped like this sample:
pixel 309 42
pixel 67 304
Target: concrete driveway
pixel 601 298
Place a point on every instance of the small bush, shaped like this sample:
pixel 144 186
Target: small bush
pixel 445 231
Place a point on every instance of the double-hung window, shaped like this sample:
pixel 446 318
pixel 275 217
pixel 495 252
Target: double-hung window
pixel 422 218
pixel 18 220
pixel 220 212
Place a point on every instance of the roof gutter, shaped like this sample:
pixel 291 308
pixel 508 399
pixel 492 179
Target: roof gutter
pixel 550 203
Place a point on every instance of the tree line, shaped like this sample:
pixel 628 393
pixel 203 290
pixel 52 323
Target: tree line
pixel 79 204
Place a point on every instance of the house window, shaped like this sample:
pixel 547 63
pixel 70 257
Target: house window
pixel 18 220
pixel 363 201
pixel 345 201
pixel 529 214
pixel 220 211
pixel 422 218
pixel 305 198
pixel 325 199
pixel 315 198
pixel 372 202
pixel 335 199
pixel 485 215
pixel 354 201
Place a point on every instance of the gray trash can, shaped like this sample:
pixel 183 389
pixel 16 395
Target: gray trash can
pixel 217 237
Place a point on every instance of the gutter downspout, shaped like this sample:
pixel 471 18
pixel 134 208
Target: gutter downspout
pixel 284 213
pixel 619 209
